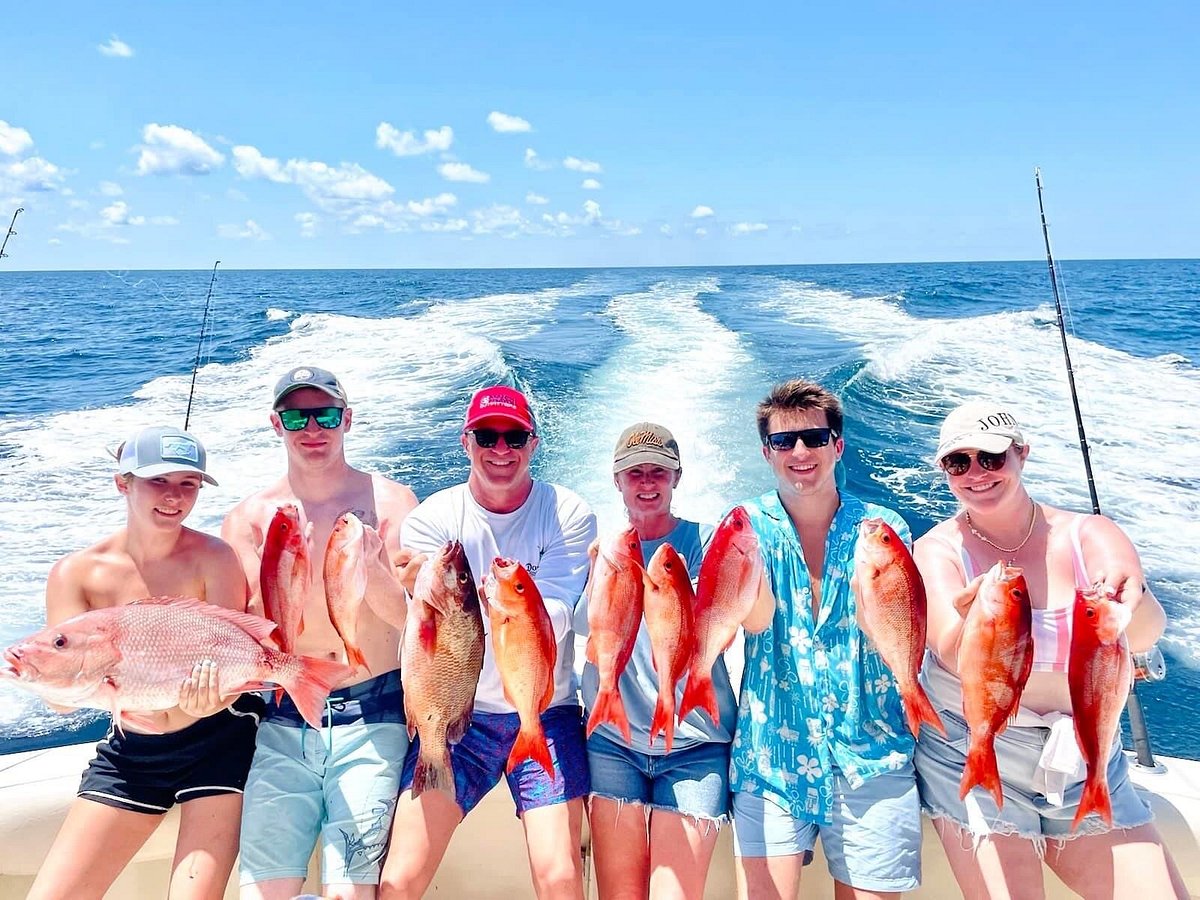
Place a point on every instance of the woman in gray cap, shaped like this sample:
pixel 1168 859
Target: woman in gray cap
pixel 997 850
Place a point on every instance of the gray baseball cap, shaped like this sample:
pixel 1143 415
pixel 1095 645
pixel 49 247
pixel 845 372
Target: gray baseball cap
pixel 312 377
pixel 160 449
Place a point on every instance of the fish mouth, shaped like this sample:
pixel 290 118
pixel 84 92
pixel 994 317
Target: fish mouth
pixel 18 667
pixel 868 527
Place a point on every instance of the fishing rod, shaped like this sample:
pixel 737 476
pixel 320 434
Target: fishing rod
pixel 187 417
pixel 1137 720
pixel 11 231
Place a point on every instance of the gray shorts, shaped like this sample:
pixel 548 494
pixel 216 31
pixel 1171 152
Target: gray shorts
pixel 1026 811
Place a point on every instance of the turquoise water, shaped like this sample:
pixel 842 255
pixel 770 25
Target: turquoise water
pixel 86 357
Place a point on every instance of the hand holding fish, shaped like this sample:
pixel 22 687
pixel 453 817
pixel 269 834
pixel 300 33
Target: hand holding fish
pixel 407 564
pixel 963 599
pixel 1122 586
pixel 200 695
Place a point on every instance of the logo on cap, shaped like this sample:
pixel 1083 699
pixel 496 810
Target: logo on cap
pixel 302 375
pixel 996 420
pixel 645 439
pixel 488 400
pixel 179 448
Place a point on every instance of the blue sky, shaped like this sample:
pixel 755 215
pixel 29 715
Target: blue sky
pixel 168 135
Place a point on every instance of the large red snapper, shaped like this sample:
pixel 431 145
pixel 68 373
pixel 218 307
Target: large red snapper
pixel 615 593
pixel 345 576
pixel 135 657
pixel 671 624
pixel 892 608
pixel 285 575
pixel 1099 675
pixel 526 654
pixel 440 662
pixel 995 656
pixel 726 590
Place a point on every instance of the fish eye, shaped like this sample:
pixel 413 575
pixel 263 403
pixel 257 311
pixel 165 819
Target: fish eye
pixel 1089 612
pixel 60 641
pixel 520 588
pixel 463 577
pixel 885 537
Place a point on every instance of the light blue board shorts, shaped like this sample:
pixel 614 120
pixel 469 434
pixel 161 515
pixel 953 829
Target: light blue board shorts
pixel 693 781
pixel 338 784
pixel 873 842
pixel 1026 811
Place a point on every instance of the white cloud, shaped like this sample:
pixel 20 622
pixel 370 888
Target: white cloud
pixel 13 140
pixel 505 221
pixel 431 205
pixel 564 224
pixel 506 124
pixel 54 242
pixel 458 171
pixel 666 229
pixel 163 220
pixel 308 224
pixel 702 212
pixel 533 161
pixel 368 220
pixel 110 189
pixel 701 232
pixel 171 150
pixel 581 165
pixel 406 143
pixel 118 214
pixel 30 174
pixel 747 228
pixel 326 185
pixel 536 199
pixel 450 225
pixel 250 231
pixel 590 184
pixel 116 47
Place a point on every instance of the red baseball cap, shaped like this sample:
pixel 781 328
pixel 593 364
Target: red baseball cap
pixel 499 402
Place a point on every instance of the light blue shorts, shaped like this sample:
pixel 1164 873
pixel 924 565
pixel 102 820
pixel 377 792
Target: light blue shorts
pixel 338 784
pixel 1026 811
pixel 873 843
pixel 693 781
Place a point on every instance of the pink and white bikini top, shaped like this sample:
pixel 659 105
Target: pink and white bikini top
pixel 1051 627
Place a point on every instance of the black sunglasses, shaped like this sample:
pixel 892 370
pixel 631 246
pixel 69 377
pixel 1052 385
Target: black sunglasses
pixel 812 438
pixel 297 419
pixel 958 463
pixel 514 438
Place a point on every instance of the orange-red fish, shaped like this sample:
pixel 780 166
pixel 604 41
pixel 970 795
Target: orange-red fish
pixel 285 575
pixel 440 662
pixel 614 592
pixel 726 590
pixel 136 656
pixel 1099 674
pixel 345 577
pixel 995 656
pixel 671 624
pixel 892 608
pixel 523 643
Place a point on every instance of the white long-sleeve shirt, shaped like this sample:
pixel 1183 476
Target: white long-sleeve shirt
pixel 549 535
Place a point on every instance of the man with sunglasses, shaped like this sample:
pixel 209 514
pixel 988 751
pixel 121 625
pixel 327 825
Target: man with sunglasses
pixel 337 785
pixel 821 750
pixel 501 511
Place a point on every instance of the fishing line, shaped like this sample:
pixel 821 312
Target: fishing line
pixel 200 345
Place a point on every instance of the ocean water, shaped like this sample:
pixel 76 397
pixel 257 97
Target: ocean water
pixel 87 357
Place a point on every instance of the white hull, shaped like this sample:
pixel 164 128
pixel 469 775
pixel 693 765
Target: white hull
pixel 487 857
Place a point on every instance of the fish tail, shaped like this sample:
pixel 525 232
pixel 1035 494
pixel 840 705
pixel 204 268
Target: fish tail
pixel 664 719
pixel 981 769
pixel 1095 799
pixel 355 657
pixel 610 708
pixel 434 773
pixel 918 709
pixel 308 682
pixel 531 744
pixel 699 693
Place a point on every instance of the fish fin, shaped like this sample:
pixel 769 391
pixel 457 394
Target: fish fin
pixel 355 657
pixel 256 626
pixel 531 744
pixel 699 693
pixel 428 633
pixel 918 709
pixel 981 769
pixel 609 707
pixel 434 774
pixel 144 723
pixel 310 686
pixel 664 720
pixel 1095 798
pixel 300 626
pixel 458 728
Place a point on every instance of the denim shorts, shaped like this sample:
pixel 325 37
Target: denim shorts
pixel 693 781
pixel 1026 811
pixel 479 760
pixel 337 784
pixel 873 842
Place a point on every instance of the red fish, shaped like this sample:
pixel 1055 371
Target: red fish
pixel 995 656
pixel 670 621
pixel 523 643
pixel 892 607
pixel 1099 675
pixel 285 575
pixel 615 592
pixel 136 656
pixel 345 577
pixel 728 586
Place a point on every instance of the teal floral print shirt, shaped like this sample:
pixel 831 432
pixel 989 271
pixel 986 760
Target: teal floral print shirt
pixel 816 697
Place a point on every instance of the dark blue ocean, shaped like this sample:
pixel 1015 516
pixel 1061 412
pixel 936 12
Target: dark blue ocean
pixel 86 357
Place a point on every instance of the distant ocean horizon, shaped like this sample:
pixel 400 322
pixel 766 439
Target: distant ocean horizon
pixel 87 357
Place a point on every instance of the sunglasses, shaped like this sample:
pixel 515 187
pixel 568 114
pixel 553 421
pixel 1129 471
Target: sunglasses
pixel 297 419
pixel 514 438
pixel 812 438
pixel 958 463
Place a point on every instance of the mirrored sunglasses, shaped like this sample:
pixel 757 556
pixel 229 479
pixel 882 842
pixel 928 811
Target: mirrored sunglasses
pixel 297 419
pixel 514 438
pixel 812 438
pixel 959 462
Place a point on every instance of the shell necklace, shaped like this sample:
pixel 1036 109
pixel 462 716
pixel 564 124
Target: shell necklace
pixel 993 544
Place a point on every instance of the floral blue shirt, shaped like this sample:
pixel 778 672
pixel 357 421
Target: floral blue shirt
pixel 816 697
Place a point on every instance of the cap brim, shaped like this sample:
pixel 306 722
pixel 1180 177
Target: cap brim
pixel 282 395
pixel 498 416
pixel 646 458
pixel 976 440
pixel 167 468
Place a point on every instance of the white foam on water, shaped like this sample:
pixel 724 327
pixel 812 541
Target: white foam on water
pixel 1140 416
pixel 278 315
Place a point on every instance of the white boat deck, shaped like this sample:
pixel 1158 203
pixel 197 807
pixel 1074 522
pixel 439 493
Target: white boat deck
pixel 487 856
